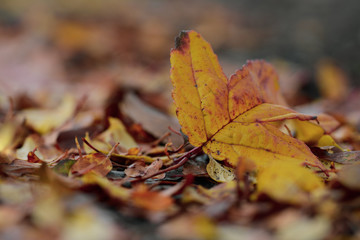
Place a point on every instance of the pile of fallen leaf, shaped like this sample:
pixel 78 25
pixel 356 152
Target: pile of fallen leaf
pixel 242 164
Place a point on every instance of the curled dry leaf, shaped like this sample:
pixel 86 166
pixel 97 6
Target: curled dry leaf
pixel 219 172
pixel 236 117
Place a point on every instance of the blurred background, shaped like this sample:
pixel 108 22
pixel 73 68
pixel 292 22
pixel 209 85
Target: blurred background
pixel 58 46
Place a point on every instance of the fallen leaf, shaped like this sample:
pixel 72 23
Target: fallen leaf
pixel 196 168
pixel 45 120
pixel 116 133
pixel 332 80
pixel 18 168
pixel 311 132
pixel 94 162
pixel 305 228
pixel 116 192
pixel 199 194
pixel 154 167
pixel 7 136
pixel 195 226
pixel 139 169
pixel 30 143
pixel 63 166
pixel 288 182
pixel 154 201
pixel 219 172
pixel 232 118
pixel 349 175
pixel 152 120
pixel 347 157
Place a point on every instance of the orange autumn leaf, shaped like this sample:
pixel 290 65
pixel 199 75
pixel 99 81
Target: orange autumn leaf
pixel 236 117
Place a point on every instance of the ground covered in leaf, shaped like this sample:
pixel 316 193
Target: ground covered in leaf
pixel 103 137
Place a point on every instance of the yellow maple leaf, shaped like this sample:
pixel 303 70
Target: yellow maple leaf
pixel 232 118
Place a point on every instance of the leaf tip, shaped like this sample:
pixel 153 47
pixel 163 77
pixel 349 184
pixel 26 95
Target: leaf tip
pixel 181 40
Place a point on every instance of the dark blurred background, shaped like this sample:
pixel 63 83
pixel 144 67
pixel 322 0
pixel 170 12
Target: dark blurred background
pixel 47 42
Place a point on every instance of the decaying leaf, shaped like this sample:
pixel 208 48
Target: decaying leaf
pixel 236 117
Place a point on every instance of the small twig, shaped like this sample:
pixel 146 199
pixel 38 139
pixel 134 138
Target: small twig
pixel 166 151
pixel 112 150
pixel 288 129
pixel 317 120
pixel 159 140
pixel 174 131
pixel 78 147
pixel 91 146
pixel 325 171
pixel 178 149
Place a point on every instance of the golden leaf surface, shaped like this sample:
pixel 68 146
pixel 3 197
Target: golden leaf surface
pixel 236 117
pixel 287 182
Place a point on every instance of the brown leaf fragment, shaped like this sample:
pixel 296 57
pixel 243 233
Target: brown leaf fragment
pixel 19 168
pixel 154 167
pixel 195 168
pixel 94 162
pixel 137 169
pixel 346 157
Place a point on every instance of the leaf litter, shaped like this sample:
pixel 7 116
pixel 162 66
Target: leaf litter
pixel 243 164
